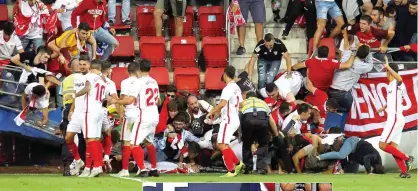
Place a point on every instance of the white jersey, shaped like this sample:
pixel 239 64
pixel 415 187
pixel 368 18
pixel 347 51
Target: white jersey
pixel 289 85
pixel 232 94
pixel 146 91
pixel 110 87
pixel 394 99
pixel 93 100
pixel 127 84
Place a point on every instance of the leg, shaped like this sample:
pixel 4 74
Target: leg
pixel 296 10
pixel 179 10
pixel 179 25
pixel 272 71
pixel 321 16
pixel 112 10
pixel 262 134
pixel 310 15
pixel 247 141
pixel 126 149
pixel 258 12
pixel 262 73
pixel 158 17
pixel 224 138
pixel 245 8
pixel 348 147
pixel 102 35
pixel 126 9
pixel 25 43
pixel 337 15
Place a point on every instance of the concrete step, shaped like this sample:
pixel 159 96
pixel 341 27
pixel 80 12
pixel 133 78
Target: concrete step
pixel 239 61
pixel 293 45
pixel 275 28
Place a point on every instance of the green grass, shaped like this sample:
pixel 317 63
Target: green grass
pixel 345 182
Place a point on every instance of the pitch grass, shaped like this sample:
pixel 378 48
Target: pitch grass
pixel 345 182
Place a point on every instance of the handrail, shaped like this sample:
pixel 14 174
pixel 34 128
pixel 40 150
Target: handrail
pixel 227 29
pixel 9 93
pixel 14 82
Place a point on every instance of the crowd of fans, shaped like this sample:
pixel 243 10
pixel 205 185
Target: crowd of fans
pixel 282 122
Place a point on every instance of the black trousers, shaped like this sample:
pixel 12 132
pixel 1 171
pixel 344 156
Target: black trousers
pixel 283 155
pixel 66 156
pixel 293 10
pixel 255 129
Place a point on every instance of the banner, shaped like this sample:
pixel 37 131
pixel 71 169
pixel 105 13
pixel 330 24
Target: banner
pixel 370 95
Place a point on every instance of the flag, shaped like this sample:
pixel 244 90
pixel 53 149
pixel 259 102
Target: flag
pixel 20 118
pixel 235 18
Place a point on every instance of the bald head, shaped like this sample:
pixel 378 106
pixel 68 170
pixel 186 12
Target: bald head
pixel 193 104
pixel 75 66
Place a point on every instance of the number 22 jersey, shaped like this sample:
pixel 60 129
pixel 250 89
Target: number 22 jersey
pixel 145 90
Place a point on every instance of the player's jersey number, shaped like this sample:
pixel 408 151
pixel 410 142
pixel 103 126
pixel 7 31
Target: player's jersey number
pixel 152 96
pixel 100 92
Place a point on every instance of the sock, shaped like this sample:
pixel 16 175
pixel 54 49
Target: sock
pixel 152 156
pixel 138 154
pixel 228 159
pixel 235 159
pixel 89 154
pixel 72 147
pixel 97 154
pixel 395 152
pixel 107 144
pixel 126 153
pixel 401 164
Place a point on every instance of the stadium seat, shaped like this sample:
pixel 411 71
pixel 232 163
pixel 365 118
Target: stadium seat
pixel 213 79
pixel 187 24
pixel 145 21
pixel 126 47
pixel 4 16
pixel 118 75
pixel 118 20
pixel 211 21
pixel 215 51
pixel 160 74
pixel 324 42
pixel 183 52
pixel 187 79
pixel 153 49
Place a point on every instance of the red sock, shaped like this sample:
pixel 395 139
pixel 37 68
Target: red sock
pixel 138 154
pixel 152 156
pixel 107 144
pixel 89 154
pixel 401 164
pixel 99 153
pixel 228 159
pixel 72 147
pixel 234 157
pixel 395 152
pixel 126 153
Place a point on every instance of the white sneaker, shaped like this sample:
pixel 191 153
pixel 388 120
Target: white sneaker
pixel 96 172
pixel 85 173
pixel 78 164
pixel 72 165
pixel 123 173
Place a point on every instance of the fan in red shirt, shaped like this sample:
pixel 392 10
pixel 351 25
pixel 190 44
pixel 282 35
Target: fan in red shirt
pixel 372 36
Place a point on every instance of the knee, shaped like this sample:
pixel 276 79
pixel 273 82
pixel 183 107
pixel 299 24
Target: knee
pixel 69 138
pixel 320 25
pixel 221 146
pixel 179 21
pixel 158 13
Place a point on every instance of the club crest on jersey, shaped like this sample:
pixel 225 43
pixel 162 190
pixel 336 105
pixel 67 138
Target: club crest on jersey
pixel 275 52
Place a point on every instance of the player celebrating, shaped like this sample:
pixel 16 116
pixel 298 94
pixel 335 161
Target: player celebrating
pixel 391 135
pixel 145 93
pixel 229 105
pixel 130 115
pixel 87 117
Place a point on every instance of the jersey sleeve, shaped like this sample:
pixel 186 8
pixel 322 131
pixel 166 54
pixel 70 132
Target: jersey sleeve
pixel 205 105
pixel 124 89
pixel 227 93
pixel 136 88
pixel 284 87
pixel 257 48
pixel 110 89
pixel 28 89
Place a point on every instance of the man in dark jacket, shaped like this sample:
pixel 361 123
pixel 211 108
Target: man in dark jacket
pixel 366 155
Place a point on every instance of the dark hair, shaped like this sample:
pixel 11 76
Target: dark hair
pixel 171 88
pixel 193 147
pixel 412 2
pixel 132 68
pixel 367 18
pixel 380 10
pixel 84 26
pixel 144 65
pixel 284 107
pixel 181 103
pixel 172 105
pixel 379 169
pixel 251 94
pixel 270 87
pixel 39 90
pixel 303 108
pixel 391 9
pixel 268 37
pixel 182 116
pixel 8 28
pixel 230 71
pixel 323 51
pixel 332 103
pixel 43 49
pixel 394 67
pixel 96 64
pixel 363 51
pixel 106 65
pixel 84 57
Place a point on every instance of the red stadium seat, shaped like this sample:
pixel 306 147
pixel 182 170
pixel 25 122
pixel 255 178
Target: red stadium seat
pixel 213 79
pixel 118 75
pixel 126 47
pixel 118 20
pixel 215 51
pixel 145 21
pixel 153 49
pixel 160 74
pixel 211 21
pixel 183 52
pixel 187 79
pixel 324 42
pixel 187 24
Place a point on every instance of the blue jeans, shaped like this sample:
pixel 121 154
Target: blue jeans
pixel 325 7
pixel 267 70
pixel 102 35
pixel 126 8
pixel 26 43
pixel 160 152
pixel 348 147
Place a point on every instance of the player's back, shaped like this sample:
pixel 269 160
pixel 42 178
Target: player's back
pixel 96 94
pixel 79 84
pixel 395 99
pixel 232 94
pixel 147 98
pixel 127 84
pixel 110 87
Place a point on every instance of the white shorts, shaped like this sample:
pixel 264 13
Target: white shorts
pixel 143 130
pixel 106 124
pixel 89 123
pixel 226 132
pixel 393 130
pixel 127 126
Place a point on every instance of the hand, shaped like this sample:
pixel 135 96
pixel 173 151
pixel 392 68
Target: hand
pixel 28 68
pixel 209 116
pixel 195 168
pixel 42 123
pixel 288 74
pixel 180 165
pixel 208 121
pixel 113 31
pixel 111 100
pixel 70 114
pixel 319 158
pixel 61 59
pixel 383 49
pixel 407 48
pixel 202 138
